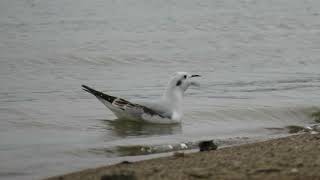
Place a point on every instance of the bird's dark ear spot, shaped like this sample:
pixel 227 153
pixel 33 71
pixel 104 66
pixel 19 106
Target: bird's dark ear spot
pixel 185 76
pixel 178 83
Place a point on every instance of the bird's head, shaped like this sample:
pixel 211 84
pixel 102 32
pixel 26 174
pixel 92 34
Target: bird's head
pixel 180 82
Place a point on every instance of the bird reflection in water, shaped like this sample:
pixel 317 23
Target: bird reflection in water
pixel 125 128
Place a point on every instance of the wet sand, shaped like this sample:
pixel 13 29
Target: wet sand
pixel 293 157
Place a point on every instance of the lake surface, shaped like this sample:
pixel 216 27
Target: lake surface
pixel 259 61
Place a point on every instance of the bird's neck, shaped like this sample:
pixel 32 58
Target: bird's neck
pixel 174 97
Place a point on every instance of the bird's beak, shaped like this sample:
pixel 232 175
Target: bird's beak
pixel 194 83
pixel 195 75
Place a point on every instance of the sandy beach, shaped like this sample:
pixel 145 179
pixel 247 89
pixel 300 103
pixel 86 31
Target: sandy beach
pixel 293 157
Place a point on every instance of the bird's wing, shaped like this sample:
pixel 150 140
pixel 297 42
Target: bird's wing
pixel 134 108
pixel 123 107
pixel 157 105
pixel 98 94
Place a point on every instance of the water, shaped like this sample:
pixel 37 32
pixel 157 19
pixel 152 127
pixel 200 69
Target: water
pixel 259 62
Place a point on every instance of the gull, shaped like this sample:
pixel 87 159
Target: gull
pixel 165 110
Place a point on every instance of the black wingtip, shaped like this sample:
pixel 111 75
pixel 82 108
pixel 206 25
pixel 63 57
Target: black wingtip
pixel 85 87
pixel 88 89
pixel 85 90
pixel 98 94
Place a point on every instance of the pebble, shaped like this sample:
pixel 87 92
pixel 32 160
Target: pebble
pixel 207 146
pixel 183 146
pixel 294 170
pixel 314 132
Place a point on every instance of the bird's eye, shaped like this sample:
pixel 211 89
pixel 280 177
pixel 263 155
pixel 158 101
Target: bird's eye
pixel 185 76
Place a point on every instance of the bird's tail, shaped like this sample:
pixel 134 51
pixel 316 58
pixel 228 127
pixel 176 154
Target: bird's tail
pixel 98 94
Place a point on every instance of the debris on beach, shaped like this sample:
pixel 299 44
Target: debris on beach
pixel 207 145
pixel 125 162
pixel 296 129
pixel 316 116
pixel 183 146
pixel 313 129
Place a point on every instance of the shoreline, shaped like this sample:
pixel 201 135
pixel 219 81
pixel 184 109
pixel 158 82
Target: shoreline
pixel 292 157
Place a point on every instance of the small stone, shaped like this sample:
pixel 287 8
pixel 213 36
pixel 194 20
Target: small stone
pixel 316 127
pixel 308 128
pixel 294 170
pixel 149 150
pixel 183 146
pixel 207 146
pixel 316 116
pixel 314 132
pixel 295 129
pixel 126 162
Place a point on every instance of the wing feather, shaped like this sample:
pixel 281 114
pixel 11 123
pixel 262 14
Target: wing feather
pixel 134 108
pixel 117 105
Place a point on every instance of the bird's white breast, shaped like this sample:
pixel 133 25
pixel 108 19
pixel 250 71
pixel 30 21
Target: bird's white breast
pixel 176 116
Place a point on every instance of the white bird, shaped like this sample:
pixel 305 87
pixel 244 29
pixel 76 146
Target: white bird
pixel 167 109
